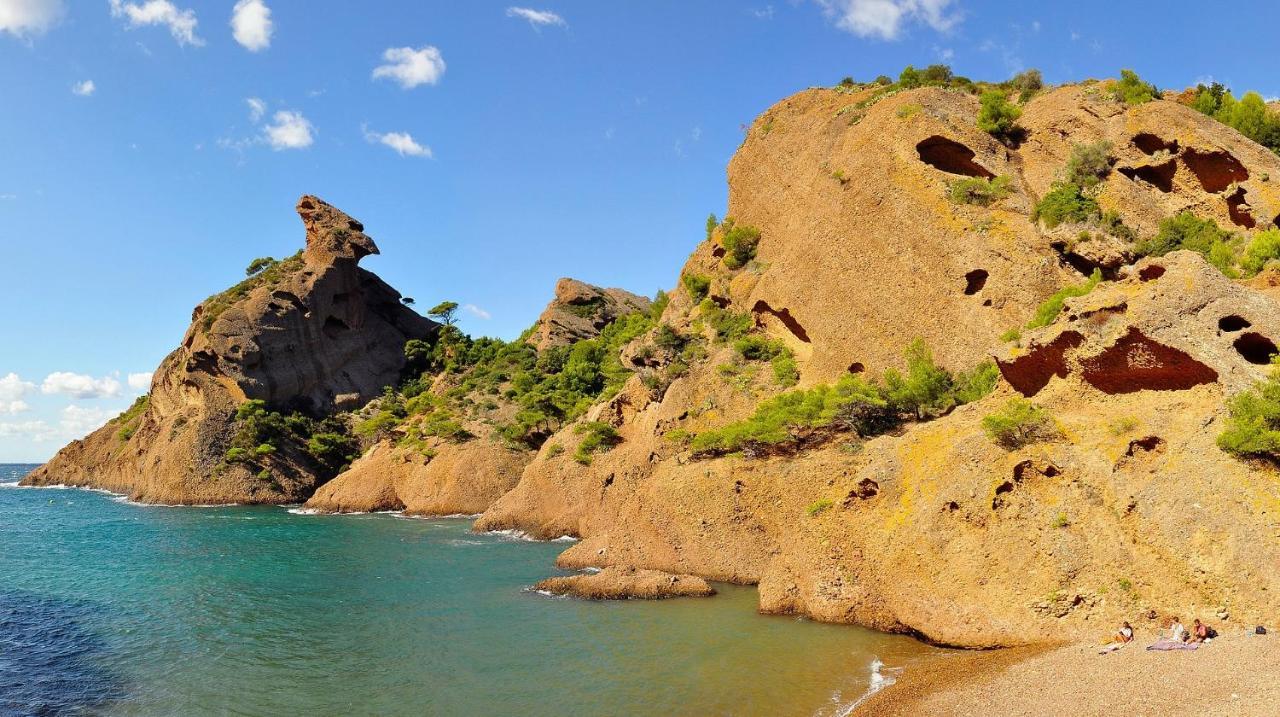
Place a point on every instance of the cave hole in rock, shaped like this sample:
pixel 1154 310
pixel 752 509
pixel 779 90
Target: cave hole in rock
pixel 720 301
pixel 1151 272
pixel 306 204
pixel 857 367
pixel 1144 445
pixel 1032 371
pixel 950 506
pixel 353 224
pixel 1276 222
pixel 718 252
pixel 1255 348
pixel 1137 363
pixel 1216 169
pixel 866 488
pixel 974 281
pixel 1150 143
pixel 951 157
pixel 999 502
pixel 1238 209
pixel 762 308
pixel 335 327
pixel 1020 471
pixel 1233 323
pixel 987 302
pixel 1159 176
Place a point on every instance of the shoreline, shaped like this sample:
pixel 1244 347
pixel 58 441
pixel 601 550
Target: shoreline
pixel 1235 674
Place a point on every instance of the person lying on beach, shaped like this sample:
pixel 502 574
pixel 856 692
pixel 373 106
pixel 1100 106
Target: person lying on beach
pixel 1176 639
pixel 1122 637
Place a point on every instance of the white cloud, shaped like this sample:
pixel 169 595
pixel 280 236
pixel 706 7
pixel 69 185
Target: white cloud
pixel 139 381
pixel 257 108
pixel 288 130
pixel 77 385
pixel 251 24
pixel 36 431
pixel 13 407
pixel 536 18
pixel 84 89
pixel 181 23
pixel 885 18
pixel 13 388
pixel 401 142
pixel 477 312
pixel 763 14
pixel 78 421
pixel 8 197
pixel 411 67
pixel 24 18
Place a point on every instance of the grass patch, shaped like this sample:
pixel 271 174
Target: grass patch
pixel 1049 310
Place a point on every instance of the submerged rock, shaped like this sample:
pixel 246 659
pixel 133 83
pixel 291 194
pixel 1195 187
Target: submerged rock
pixel 621 583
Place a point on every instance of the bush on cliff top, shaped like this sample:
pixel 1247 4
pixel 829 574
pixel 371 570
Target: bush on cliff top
pixel 739 243
pixel 998 116
pixel 1132 90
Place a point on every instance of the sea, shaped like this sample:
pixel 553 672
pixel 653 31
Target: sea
pixel 112 608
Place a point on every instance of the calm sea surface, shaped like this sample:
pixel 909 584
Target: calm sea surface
pixel 112 608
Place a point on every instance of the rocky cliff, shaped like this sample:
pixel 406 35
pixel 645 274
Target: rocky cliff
pixel 579 310
pixel 1128 511
pixel 310 334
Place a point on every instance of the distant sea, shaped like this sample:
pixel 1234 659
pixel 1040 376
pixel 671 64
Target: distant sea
pixel 107 607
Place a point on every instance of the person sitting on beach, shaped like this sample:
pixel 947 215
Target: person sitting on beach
pixel 1177 632
pixel 1201 632
pixel 1122 637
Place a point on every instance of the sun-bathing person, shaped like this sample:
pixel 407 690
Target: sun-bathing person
pixel 1177 639
pixel 1177 632
pixel 1201 632
pixel 1122 637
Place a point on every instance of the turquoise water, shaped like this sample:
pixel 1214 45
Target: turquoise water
pixel 112 608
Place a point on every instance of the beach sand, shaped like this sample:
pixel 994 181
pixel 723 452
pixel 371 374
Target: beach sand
pixel 1236 674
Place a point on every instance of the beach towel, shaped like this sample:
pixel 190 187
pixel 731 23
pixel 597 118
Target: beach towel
pixel 1167 644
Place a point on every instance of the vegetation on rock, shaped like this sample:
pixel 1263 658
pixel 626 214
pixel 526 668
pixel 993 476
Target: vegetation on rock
pixel 131 418
pixel 739 243
pixel 267 274
pixel 1250 115
pixel 998 116
pixel 1253 425
pixel 980 191
pixel 1049 310
pixel 1132 90
pixel 1018 423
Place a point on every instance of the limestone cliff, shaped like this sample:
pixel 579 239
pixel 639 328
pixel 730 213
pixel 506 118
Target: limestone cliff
pixel 579 311
pixel 1131 512
pixel 312 333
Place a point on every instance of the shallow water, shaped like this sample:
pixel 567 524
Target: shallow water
pixel 113 608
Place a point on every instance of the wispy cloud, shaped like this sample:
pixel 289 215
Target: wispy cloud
pixel 289 130
pixel 251 24
pixel 477 312
pixel 26 18
pixel 78 385
pixel 764 13
pixel 257 108
pixel 12 390
pixel 402 142
pixel 410 67
pixel 84 89
pixel 140 381
pixel 537 18
pixel 181 23
pixel 80 421
pixel 886 19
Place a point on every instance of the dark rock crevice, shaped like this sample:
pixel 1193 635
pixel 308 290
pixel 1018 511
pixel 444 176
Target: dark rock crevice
pixel 951 157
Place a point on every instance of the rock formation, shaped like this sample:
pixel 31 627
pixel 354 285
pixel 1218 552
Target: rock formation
pixel 623 583
pixel 579 311
pixel 937 531
pixel 311 333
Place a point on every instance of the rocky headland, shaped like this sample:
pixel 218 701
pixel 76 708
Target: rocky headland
pixel 988 383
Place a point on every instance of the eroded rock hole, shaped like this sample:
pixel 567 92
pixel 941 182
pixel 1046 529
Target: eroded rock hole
pixel 1159 176
pixel 974 281
pixel 335 327
pixel 857 367
pixel 1233 323
pixel 950 506
pixel 1151 144
pixel 761 308
pixel 1001 490
pixel 1151 272
pixel 866 488
pixel 1216 170
pixel 1144 445
pixel 951 157
pixel 1137 363
pixel 1255 348
pixel 1031 372
pixel 1238 208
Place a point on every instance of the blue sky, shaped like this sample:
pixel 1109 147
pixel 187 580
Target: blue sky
pixel 151 148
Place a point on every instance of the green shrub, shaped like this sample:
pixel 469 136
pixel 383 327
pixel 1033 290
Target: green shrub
pixel 1253 423
pixel 758 348
pixel 1065 202
pixel 659 305
pixel 1061 521
pixel 926 390
pixel 739 243
pixel 1049 310
pixel 997 116
pixel 598 437
pixel 1122 425
pixel 264 449
pixel 1027 83
pixel 1131 90
pixel 1018 423
pixel 1262 249
pixel 554 450
pixel 697 285
pixel 1089 164
pixel 1114 225
pixel 818 506
pixel 236 454
pixel 785 371
pixel 980 191
pixel 259 264
pixel 712 223
pixel 1011 335
pixel 131 418
pixel 668 338
pixel 1203 236
pixel 976 383
pixel 727 325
